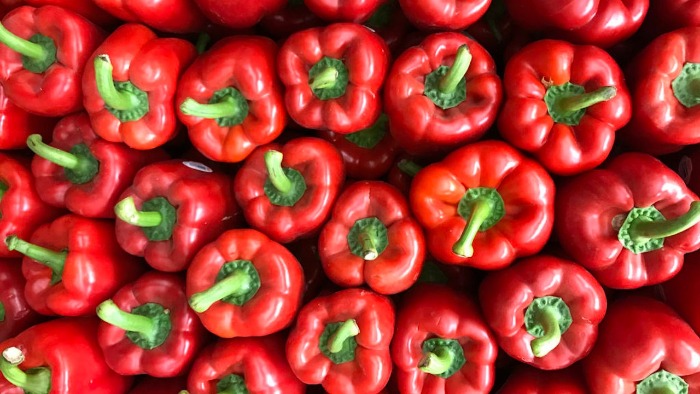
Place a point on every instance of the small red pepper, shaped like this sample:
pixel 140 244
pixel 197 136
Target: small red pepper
pixel 17 124
pixel 173 16
pixel 444 14
pixel 332 76
pixel 15 313
pixel 129 86
pixel 239 14
pixel 341 341
pixel 287 191
pixel 357 11
pixel 244 365
pixel 529 380
pixel 245 284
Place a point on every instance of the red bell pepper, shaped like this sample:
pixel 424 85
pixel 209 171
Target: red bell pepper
pixel 564 104
pixel 357 11
pixel 252 365
pixel 442 94
pixel 231 100
pixel 294 17
pixel 172 210
pixel 288 191
pixel 43 53
pixel 442 14
pixel 82 172
pixel 15 313
pixel 372 238
pixel 644 346
pixel 341 341
pixel 245 284
pixel 529 380
pixel 150 385
pixel 129 86
pixel 17 124
pixel 665 83
pixel 333 75
pixel 442 344
pixel 391 24
pixel 174 16
pixel 679 292
pixel 239 14
pixel 630 222
pixel 148 327
pixel 543 310
pixel 484 205
pixel 86 8
pixel 668 15
pixel 58 356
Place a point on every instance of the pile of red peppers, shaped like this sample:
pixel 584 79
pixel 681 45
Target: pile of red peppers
pixel 349 196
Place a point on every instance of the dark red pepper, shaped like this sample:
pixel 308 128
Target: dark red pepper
pixel 15 313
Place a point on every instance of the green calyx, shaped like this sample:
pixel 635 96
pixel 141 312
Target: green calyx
pixel 236 283
pixel 38 53
pixel 686 86
pixel 662 382
pixel 431 273
pixel 408 167
pixel 368 238
pixel 369 138
pixel 482 208
pixel 337 341
pixel 147 325
pixel 227 106
pixel 645 229
pixel 231 384
pixel 79 165
pixel 50 258
pixel 122 99
pixel 381 16
pixel 442 357
pixel 284 186
pixel 447 86
pixel 156 218
pixel 328 78
pixel 32 381
pixel 547 319
pixel 567 103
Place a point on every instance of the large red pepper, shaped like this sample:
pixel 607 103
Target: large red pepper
pixel 529 380
pixel 341 341
pixel 442 94
pixel 484 205
pixel 82 172
pixel 287 191
pixel 679 292
pixel 332 76
pixel 17 124
pixel 231 100
pixel 15 313
pixel 564 104
pixel 544 310
pixel 129 86
pixel 174 16
pixel 252 365
pixel 86 8
pixel 442 344
pixel 630 222
pixel 372 238
pixel 356 11
pixel 43 54
pixel 239 14
pixel 444 14
pixel 58 356
pixel 172 210
pixel 245 284
pixel 148 327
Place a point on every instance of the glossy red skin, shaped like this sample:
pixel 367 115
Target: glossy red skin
pixel 86 8
pixel 369 372
pixel 150 385
pixel 246 63
pixel 678 291
pixel 432 310
pixel 239 14
pixel 419 126
pixel 259 361
pixel 505 295
pixel 363 163
pixel 639 336
pixel 17 124
pixel 289 20
pixel 538 15
pixel 356 11
pixel 587 205
pixel 57 91
pixel 21 209
pixel 173 16
pixel 153 65
pixel 319 163
pixel 118 166
pixel 275 304
pixel 525 121
pixel 205 208
pixel 397 268
pixel 186 338
pixel 614 22
pixel 529 380
pixel 18 315
pixel 665 16
pixel 527 191
pixel 366 56
pixel 444 14
pixel 68 348
pixel 660 123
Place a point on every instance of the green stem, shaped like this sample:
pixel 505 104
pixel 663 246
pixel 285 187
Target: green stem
pixel 273 163
pixel 237 283
pixel 222 109
pixel 126 210
pixel 54 155
pixel 22 46
pixel 203 40
pixel 644 230
pixel 325 79
pixel 369 249
pixel 122 101
pixel 586 100
pixel 3 189
pixel 409 167
pixel 481 210
pixel 52 259
pixel 2 312
pixel 438 362
pixel 347 330
pixel 38 382
pixel 459 69
pixel 109 312
pixel 548 317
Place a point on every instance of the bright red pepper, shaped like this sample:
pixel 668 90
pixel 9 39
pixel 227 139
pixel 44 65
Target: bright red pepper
pixel 529 380
pixel 629 222
pixel 442 94
pixel 231 100
pixel 252 365
pixel 239 14
pixel 442 344
pixel 341 341
pixel 86 8
pixel 172 210
pixel 15 313
pixel 564 104
pixel 484 205
pixel 17 124
pixel 294 17
pixel 58 356
pixel 356 11
pixel 129 86
pixel 43 54
pixel 332 76
pixel 245 284
pixel 174 16
pixel 444 14
pixel 287 191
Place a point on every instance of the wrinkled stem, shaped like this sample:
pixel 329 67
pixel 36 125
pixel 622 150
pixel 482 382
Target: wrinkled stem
pixel 54 155
pixel 583 101
pixel 438 362
pixel 347 330
pixel 325 79
pixel 223 109
pixel 369 249
pixel 105 86
pixel 237 283
pixel 109 312
pixel 21 46
pixel 643 230
pixel 126 211
pixel 459 69
pixel 52 259
pixel 549 319
pixel 38 382
pixel 481 210
pixel 273 163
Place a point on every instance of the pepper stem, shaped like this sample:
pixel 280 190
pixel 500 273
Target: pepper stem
pixel 585 100
pixel 410 168
pixel 694 87
pixel 347 330
pixel 369 249
pixel 54 155
pixel 644 230
pixel 22 46
pixel 273 163
pixel 52 259
pixel 325 79
pixel 37 382
pixel 109 312
pixel 459 69
pixel 2 312
pixel 481 210
pixel 3 189
pixel 126 210
pixel 223 109
pixel 548 317
pixel 438 362
pixel 239 282
pixel 105 86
